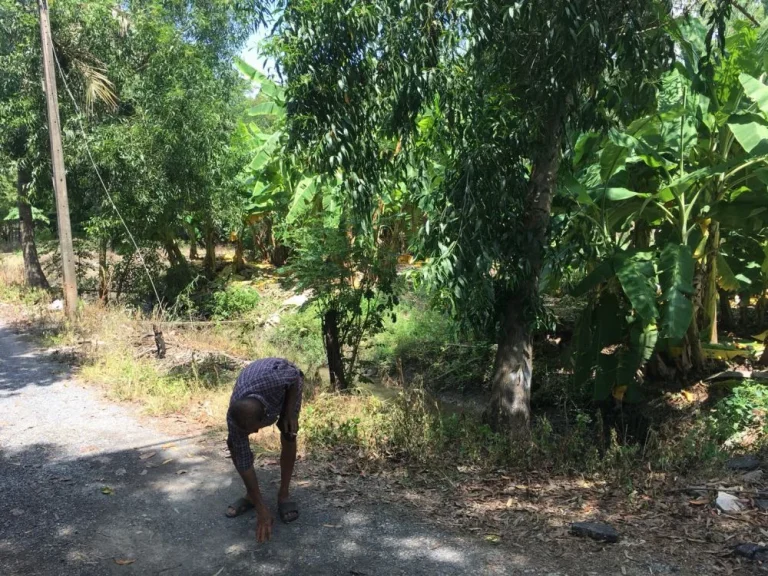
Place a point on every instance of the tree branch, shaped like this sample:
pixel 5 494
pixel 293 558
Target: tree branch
pixel 743 10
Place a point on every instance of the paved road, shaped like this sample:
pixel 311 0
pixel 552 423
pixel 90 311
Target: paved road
pixel 61 444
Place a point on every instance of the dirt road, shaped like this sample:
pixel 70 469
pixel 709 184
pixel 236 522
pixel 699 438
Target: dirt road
pixel 77 497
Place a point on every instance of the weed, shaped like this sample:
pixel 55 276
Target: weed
pixel 234 301
pixel 742 416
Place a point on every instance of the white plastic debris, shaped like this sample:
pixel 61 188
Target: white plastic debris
pixel 728 502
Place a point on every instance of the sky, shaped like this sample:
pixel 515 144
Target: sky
pixel 252 55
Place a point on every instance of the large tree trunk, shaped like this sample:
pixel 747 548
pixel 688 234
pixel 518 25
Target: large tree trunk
pixel 175 257
pixel 332 344
pixel 33 272
pixel 262 237
pixel 693 355
pixel 105 280
pixel 190 228
pixel 209 263
pixel 510 407
pixel 239 261
pixel 126 269
pixel 280 253
pixel 642 235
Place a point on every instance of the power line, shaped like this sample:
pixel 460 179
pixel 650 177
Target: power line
pixel 98 173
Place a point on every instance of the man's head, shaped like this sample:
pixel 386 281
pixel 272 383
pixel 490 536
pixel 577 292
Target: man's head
pixel 249 414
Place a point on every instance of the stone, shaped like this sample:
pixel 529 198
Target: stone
pixel 728 502
pixel 273 320
pixel 56 305
pixel 753 477
pixel 743 464
pixel 298 300
pixel 596 531
pixel 761 504
pixel 761 555
pixel 751 551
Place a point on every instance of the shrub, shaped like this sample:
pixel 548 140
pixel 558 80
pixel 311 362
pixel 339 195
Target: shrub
pixel 235 300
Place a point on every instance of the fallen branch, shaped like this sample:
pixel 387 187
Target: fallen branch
pixel 717 489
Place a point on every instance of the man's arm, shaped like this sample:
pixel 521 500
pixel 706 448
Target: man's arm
pixel 289 417
pixel 242 456
pixel 264 524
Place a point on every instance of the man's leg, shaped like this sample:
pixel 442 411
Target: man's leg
pixel 287 462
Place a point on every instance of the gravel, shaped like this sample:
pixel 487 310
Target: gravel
pixel 81 499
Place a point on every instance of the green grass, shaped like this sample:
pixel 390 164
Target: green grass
pixel 428 342
pixel 126 378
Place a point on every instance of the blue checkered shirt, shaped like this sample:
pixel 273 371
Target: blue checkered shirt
pixel 266 380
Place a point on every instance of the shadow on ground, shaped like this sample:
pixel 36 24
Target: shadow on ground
pixel 168 519
pixel 20 368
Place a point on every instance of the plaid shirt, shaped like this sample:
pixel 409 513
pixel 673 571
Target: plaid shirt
pixel 267 380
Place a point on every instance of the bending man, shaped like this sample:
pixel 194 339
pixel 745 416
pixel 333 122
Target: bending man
pixel 266 391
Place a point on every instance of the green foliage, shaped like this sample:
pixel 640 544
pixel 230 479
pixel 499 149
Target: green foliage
pixel 233 301
pixel 676 279
pixel 745 409
pixel 300 332
pixel 650 195
pixel 350 276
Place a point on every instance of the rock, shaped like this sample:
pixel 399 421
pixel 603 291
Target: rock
pixel 743 463
pixel 751 551
pixel 761 555
pixel 120 472
pixel 596 531
pixel 753 477
pixel 298 300
pixel 56 305
pixel 761 504
pixel 17 512
pixel 273 320
pixel 728 502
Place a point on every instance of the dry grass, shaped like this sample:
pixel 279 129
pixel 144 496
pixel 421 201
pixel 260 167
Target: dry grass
pixel 113 348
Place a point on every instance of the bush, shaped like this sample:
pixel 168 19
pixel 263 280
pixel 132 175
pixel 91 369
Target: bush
pixel 330 420
pixel 741 416
pixel 300 332
pixel 235 300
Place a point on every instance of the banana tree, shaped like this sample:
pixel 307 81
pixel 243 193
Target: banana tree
pixel 274 188
pixel 660 195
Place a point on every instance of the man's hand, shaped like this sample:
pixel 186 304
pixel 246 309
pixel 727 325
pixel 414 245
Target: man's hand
pixel 264 522
pixel 289 425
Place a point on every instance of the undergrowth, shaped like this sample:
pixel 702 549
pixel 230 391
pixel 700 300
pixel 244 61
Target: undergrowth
pixel 424 352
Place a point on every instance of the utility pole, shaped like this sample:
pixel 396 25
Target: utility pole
pixel 69 281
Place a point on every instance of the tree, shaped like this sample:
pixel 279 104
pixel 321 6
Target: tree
pixel 23 140
pixel 159 99
pixel 502 85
